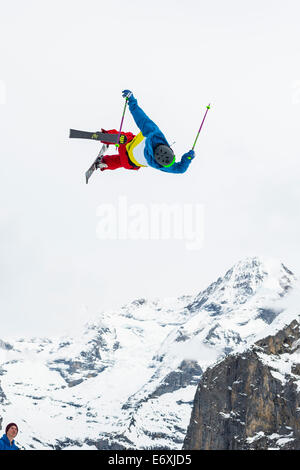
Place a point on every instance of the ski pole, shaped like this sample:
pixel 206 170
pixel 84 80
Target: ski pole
pixel 207 108
pixel 126 100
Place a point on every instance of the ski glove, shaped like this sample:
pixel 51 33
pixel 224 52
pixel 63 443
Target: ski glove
pixel 127 93
pixel 191 154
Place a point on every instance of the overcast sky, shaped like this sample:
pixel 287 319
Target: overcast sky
pixel 63 65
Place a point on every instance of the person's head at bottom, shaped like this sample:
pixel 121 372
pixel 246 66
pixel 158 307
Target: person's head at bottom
pixel 11 431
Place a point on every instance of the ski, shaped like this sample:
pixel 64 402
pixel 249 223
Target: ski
pixel 102 136
pixel 94 166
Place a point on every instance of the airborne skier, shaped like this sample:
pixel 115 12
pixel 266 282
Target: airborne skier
pixel 148 148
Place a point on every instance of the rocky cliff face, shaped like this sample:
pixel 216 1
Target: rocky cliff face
pixel 251 400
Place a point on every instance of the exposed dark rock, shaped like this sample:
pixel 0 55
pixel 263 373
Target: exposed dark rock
pixel 267 314
pixel 240 402
pixel 73 383
pixel 214 309
pixel 110 442
pixel 4 345
pixel 181 336
pixel 139 302
pixel 188 373
pixel 88 363
pixel 2 396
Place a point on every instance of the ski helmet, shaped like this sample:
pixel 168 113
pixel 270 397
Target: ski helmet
pixel 164 155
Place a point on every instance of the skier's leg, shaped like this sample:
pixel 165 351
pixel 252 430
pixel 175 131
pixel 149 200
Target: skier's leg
pixel 117 161
pixel 122 160
pixel 112 161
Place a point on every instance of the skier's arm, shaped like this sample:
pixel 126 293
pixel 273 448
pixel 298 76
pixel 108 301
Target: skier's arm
pixel 144 123
pixel 182 166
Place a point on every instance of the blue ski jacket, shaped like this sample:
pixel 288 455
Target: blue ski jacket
pixel 155 137
pixel 6 445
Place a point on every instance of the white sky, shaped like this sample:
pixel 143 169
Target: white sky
pixel 63 64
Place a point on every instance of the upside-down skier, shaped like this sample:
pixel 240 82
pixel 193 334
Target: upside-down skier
pixel 148 148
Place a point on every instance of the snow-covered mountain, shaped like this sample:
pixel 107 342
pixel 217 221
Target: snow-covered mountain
pixel 129 380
